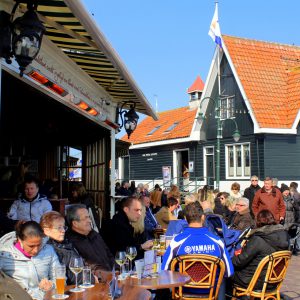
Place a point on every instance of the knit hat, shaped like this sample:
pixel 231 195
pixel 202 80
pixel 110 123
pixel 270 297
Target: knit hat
pixel 284 187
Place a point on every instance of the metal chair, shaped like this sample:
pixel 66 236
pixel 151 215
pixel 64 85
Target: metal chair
pixel 275 266
pixel 206 272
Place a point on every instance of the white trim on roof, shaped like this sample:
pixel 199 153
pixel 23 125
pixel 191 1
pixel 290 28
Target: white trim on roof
pixel 277 130
pixel 160 143
pixel 255 123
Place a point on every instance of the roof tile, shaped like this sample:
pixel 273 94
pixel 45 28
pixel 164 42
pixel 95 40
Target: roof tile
pixel 270 75
pixel 183 115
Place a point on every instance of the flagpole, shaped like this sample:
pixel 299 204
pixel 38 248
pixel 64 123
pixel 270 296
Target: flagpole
pixel 218 111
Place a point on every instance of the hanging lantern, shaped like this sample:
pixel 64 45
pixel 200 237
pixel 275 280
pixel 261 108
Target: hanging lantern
pixel 130 121
pixel 27 34
pixel 128 118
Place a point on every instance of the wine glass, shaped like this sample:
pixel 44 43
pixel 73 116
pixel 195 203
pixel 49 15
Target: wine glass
pixel 120 259
pixel 76 266
pixel 131 253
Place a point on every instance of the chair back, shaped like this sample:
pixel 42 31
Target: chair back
pixel 275 265
pixel 206 272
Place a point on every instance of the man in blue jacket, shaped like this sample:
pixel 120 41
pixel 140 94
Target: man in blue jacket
pixel 197 239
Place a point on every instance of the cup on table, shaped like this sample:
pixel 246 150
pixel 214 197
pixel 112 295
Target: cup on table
pixel 162 241
pixel 60 278
pixel 156 244
pixel 139 266
pixel 86 277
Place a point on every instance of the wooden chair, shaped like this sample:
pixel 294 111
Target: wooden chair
pixel 275 266
pixel 206 272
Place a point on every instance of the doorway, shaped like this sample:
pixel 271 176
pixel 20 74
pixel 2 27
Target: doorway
pixel 181 167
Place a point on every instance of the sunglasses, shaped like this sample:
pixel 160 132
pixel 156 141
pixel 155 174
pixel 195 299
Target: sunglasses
pixel 254 180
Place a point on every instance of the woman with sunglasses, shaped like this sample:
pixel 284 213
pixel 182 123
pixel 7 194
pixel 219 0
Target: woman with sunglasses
pixel 53 225
pixel 26 258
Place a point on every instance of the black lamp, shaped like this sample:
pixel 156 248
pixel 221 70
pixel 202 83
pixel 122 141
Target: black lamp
pixel 129 120
pixel 27 33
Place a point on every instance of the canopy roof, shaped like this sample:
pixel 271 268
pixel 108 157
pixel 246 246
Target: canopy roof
pixel 71 28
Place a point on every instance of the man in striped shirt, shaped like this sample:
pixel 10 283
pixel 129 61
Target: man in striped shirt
pixel 196 239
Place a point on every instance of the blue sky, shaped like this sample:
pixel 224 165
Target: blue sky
pixel 165 43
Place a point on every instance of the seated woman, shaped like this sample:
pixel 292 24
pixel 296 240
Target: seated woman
pixel 166 214
pixel 53 224
pixel 269 237
pixel 27 259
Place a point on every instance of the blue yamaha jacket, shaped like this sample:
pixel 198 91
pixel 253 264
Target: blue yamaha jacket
pixel 197 241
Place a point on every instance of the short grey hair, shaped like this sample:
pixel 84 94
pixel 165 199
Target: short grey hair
pixel 244 199
pixel 72 213
pixel 254 177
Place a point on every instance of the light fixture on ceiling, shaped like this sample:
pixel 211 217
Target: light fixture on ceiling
pixel 21 38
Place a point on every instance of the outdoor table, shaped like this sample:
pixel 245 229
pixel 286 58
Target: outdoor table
pixel 100 291
pixel 165 279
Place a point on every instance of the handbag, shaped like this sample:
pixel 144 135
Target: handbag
pixel 11 290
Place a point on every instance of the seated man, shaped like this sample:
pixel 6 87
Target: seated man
pixel 31 205
pixel 149 221
pixel 166 214
pixel 196 239
pixel 242 219
pixel 120 233
pixel 87 241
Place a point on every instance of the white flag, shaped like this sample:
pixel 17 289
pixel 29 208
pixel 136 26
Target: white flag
pixel 214 29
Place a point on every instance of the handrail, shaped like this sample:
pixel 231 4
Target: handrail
pixel 191 187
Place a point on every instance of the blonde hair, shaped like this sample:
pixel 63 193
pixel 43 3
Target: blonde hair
pixel 230 202
pixel 189 198
pixel 139 225
pixel 174 192
pixel 155 198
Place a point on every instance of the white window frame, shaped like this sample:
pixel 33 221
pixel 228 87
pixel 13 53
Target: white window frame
pixel 227 111
pixel 235 176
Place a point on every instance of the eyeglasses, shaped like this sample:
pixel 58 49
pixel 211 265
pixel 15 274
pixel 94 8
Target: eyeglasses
pixel 60 228
pixel 254 180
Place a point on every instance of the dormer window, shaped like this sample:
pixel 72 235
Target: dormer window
pixel 227 107
pixel 153 130
pixel 171 127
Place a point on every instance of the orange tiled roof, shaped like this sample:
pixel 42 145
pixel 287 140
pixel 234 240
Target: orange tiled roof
pixel 198 85
pixel 269 73
pixel 183 115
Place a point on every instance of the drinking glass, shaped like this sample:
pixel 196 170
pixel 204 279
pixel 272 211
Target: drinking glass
pixel 120 259
pixel 131 253
pixel 76 266
pixel 162 241
pixel 60 277
pixel 86 278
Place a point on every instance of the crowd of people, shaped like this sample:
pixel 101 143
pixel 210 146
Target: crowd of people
pixel 39 238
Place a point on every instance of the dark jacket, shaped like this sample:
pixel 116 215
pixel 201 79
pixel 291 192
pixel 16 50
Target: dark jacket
pixel 291 212
pixel 65 251
pixel 122 235
pixel 249 193
pixel 263 242
pixel 243 220
pixel 92 249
